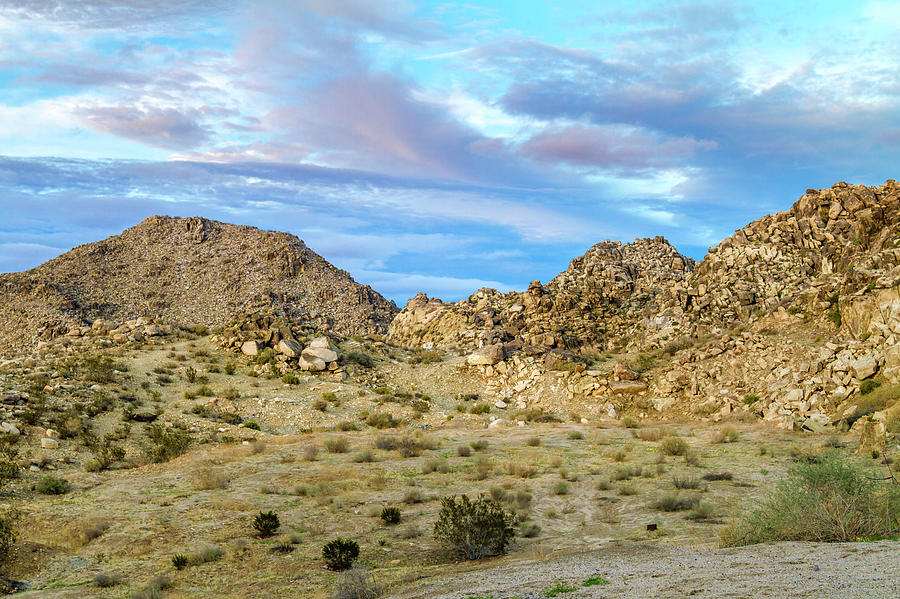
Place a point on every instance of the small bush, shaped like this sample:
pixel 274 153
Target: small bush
pixel 712 476
pixel 686 482
pixel 533 441
pixel 868 385
pixel 52 485
pixel 825 499
pixel 413 496
pixel 340 554
pixel 167 443
pixel 290 379
pixel 310 453
pixel 750 398
pixel 649 434
pixel 381 420
pixel 673 446
pixel 253 426
pixel 701 511
pixel 320 405
pixel 207 479
pixel 558 588
pixel 337 445
pixel 364 457
pixel 673 502
pixel 463 451
pixel 560 488
pixel 356 583
pixel 347 426
pixel 266 524
pixel 230 368
pixel 358 357
pixel 629 422
pixel 595 581
pixel 179 561
pixel 480 408
pixel 576 435
pixel 474 528
pixel 390 515
pixel 479 445
pixel 105 581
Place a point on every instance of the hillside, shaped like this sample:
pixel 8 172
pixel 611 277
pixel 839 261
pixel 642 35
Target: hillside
pixel 191 271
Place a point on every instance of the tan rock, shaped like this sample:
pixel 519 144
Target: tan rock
pixel 290 347
pixel 319 353
pixel 251 348
pixel 48 443
pixel 486 356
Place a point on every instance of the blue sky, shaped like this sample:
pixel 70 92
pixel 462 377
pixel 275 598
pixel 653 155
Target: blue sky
pixel 433 146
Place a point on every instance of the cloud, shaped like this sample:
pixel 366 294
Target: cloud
pixel 159 127
pixel 14 255
pixel 406 285
pixel 611 147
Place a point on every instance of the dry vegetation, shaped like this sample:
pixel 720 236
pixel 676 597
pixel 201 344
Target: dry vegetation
pixel 162 488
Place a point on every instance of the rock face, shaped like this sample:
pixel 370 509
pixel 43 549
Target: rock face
pixel 192 271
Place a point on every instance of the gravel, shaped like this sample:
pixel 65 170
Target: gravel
pixel 642 570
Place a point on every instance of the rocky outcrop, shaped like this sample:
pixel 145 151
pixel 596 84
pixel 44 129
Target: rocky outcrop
pixel 192 271
pixel 598 299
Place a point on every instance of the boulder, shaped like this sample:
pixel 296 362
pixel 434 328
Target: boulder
pixel 864 367
pixel 871 435
pixel 624 373
pixel 9 428
pixel 486 356
pixel 290 348
pixel 320 342
pixel 319 353
pixel 48 443
pixel 251 348
pixel 627 386
pixel 311 363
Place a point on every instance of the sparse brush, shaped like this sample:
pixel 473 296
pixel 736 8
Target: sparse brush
pixel 617 455
pixel 628 489
pixel 340 554
pixel 649 434
pixel 686 482
pixel 365 456
pixel 534 441
pixel 337 445
pixel 52 485
pixel 713 476
pixel 701 511
pixel 479 445
pixel 104 580
pixel 560 488
pixel 381 420
pixel 435 465
pixel 310 453
pixel 483 467
pixel 673 446
pixel 576 435
pixel 673 502
pixel 629 422
pixel 390 515
pixel 321 405
pixel 413 496
pixel 207 478
pixel 463 451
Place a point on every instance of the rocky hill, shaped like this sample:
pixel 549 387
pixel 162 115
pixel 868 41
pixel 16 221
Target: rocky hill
pixel 191 271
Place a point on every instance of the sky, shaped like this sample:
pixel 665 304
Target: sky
pixel 434 146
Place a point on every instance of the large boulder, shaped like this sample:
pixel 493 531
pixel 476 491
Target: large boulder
pixel 251 348
pixel 319 353
pixel 320 342
pixel 312 363
pixel 486 356
pixel 290 348
pixel 627 386
pixel 864 367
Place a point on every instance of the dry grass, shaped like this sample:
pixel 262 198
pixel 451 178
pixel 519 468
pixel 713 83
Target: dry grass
pixel 207 478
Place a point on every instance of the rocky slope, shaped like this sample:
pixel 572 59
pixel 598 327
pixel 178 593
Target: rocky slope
pixel 186 270
pixel 785 319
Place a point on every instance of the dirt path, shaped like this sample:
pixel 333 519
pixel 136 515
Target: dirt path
pixel 642 570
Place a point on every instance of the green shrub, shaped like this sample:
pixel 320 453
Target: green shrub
pixel 340 554
pixel 337 445
pixel 252 425
pixel 266 524
pixel 750 398
pixel 290 379
pixel 561 488
pixel 474 528
pixel 105 451
pixel 629 422
pixel 358 357
pixel 381 420
pixel 876 399
pixel 329 396
pixel 480 408
pixel 868 385
pixel 168 443
pixel 179 561
pixel 230 368
pixel 52 485
pixel 673 446
pixel 595 581
pixel 823 499
pixel 390 515
pixel 834 315
pixel 673 502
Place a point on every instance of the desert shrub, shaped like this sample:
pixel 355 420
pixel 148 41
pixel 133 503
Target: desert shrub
pixel 534 441
pixel 536 415
pixel 390 515
pixel 381 420
pixel 290 379
pixel 52 485
pixel 413 496
pixel 463 451
pixel 673 446
pixel 868 385
pixel 617 455
pixel 474 528
pixel 483 467
pixel 337 445
pixel 105 581
pixel 750 398
pixel 702 510
pixel 834 315
pixel 480 408
pixel 410 447
pixel 649 434
pixel 211 553
pixel 347 426
pixel 712 476
pixel 266 524
pixel 329 396
pixel 629 422
pixel 190 374
pixel 876 400
pixel 179 561
pixel 730 434
pixel 207 479
pixel 386 442
pixel 167 443
pixel 364 457
pixel 358 357
pixel 8 521
pixel 104 449
pixel 320 405
pixel 356 583
pixel 560 488
pixel 479 445
pixel 435 465
pixel 576 435
pixel 230 368
pixel 100 369
pixel 310 453
pixel 673 502
pixel 825 499
pixel 79 534
pixel 686 482
pixel 340 554
pixel 253 426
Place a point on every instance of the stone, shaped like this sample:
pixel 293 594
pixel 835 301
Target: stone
pixel 319 353
pixel 864 367
pixel 500 404
pixel 661 403
pixel 628 387
pixel 144 415
pixel 486 356
pixel 290 348
pixel 320 342
pixel 51 434
pixel 10 428
pixel 871 435
pixel 251 348
pixel 312 363
pixel 48 443
pixel 624 373
pixel 497 424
